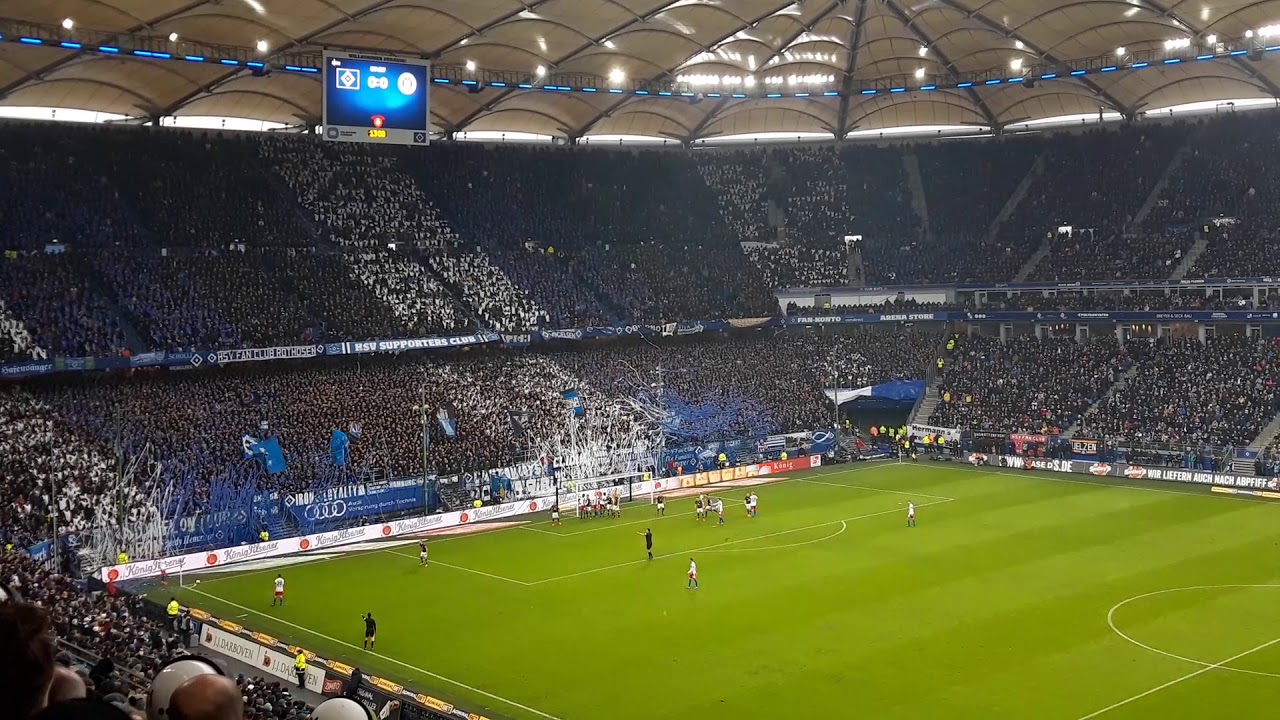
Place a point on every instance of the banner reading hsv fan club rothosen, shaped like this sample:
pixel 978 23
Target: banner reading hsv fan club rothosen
pixel 1125 470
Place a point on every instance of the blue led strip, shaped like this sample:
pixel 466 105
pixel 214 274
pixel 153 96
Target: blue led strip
pixel 310 70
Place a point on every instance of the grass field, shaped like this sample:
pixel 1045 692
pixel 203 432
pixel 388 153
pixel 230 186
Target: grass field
pixel 1011 599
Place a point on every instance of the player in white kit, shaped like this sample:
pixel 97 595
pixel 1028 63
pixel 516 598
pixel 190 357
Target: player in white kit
pixel 911 514
pixel 751 505
pixel 693 575
pixel 279 597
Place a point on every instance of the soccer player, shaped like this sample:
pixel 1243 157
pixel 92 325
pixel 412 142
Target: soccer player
pixel 911 514
pixel 617 502
pixel 648 541
pixel 720 510
pixel 555 515
pixel 662 506
pixel 279 598
pixel 370 631
pixel 697 506
pixel 422 553
pixel 693 575
pixel 751 502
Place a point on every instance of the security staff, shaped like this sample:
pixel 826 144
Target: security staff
pixel 723 460
pixel 939 363
pixel 300 667
pixel 951 345
pixel 173 609
pixel 264 536
pixel 783 456
pixel 942 444
pixel 122 558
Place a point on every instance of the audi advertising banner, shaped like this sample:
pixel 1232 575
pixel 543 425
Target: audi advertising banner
pixel 1125 470
pixel 318 514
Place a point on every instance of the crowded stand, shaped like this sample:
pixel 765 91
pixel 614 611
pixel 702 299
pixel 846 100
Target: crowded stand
pixel 967 182
pixel 1096 181
pixel 741 193
pixel 62 316
pixel 788 266
pixel 1097 255
pixel 1032 385
pixel 1220 392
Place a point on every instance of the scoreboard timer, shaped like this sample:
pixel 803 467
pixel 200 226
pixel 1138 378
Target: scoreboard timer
pixel 376 98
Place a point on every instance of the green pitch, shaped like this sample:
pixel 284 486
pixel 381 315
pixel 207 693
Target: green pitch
pixel 997 605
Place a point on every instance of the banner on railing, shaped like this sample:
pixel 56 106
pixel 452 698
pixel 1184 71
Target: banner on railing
pixel 1127 470
pixel 217 358
pixel 343 504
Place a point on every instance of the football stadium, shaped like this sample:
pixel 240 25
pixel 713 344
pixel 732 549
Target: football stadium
pixel 578 359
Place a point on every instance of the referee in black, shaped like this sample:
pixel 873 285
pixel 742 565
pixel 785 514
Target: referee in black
pixel 648 541
pixel 370 631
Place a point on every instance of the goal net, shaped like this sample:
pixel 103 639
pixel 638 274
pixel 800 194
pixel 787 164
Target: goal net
pixel 595 496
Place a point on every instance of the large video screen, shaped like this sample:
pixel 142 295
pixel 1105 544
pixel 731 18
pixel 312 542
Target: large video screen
pixel 376 98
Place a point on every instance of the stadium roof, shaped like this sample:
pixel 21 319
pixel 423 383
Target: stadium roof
pixel 833 46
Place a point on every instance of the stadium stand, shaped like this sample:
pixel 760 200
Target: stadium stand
pixel 1027 385
pixel 61 314
pixel 1221 392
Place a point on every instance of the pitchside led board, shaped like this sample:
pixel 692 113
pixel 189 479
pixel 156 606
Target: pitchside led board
pixel 376 98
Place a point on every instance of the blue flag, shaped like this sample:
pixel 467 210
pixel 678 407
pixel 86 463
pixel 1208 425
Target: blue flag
pixel 339 446
pixel 577 406
pixel 267 452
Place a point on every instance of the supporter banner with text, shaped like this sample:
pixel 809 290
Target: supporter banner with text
pixel 217 358
pixel 1129 471
pixel 316 512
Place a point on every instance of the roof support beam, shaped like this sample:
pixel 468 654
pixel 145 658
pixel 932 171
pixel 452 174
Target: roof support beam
pixel 696 131
pixel 782 47
pixel 1003 32
pixel 846 84
pixel 1244 65
pixel 950 66
pixel 71 57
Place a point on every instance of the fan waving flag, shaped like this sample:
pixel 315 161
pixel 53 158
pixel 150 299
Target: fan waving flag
pixel 266 451
pixel 518 419
pixel 339 447
pixel 577 405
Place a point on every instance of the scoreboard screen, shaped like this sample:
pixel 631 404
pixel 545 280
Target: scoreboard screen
pixel 376 98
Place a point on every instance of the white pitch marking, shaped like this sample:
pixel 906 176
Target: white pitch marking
pixel 731 542
pixel 427 673
pixel 1182 679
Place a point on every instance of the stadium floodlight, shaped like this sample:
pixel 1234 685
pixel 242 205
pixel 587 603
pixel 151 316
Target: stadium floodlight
pixel 1210 39
pixel 749 80
pixel 1120 51
pixel 471 66
pixel 617 76
pixel 1269 30
pixel 68 23
pixel 1177 43
pixel 1248 33
pixel 924 50
pixel 173 37
pixel 1015 64
pixel 262 46
pixel 609 44
pixel 1018 44
pixel 540 71
pixel 919 73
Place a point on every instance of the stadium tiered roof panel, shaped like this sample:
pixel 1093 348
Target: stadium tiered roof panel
pixel 838 47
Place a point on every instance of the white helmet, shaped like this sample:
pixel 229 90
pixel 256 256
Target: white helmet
pixel 171 675
pixel 341 709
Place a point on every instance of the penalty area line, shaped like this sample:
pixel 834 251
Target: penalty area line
pixel 463 569
pixel 1181 679
pixel 407 666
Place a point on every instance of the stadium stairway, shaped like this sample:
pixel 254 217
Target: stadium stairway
pixel 923 409
pixel 1158 189
pixel 911 164
pixel 1032 261
pixel 1189 260
pixel 1119 384
pixel 1260 443
pixel 1019 193
pixel 83 266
